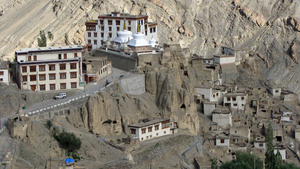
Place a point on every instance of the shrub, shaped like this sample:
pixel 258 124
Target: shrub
pixel 68 141
pixel 49 123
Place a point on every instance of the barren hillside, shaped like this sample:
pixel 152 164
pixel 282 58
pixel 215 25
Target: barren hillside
pixel 271 28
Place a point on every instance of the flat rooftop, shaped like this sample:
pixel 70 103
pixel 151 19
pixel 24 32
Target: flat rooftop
pixel 155 121
pixel 49 49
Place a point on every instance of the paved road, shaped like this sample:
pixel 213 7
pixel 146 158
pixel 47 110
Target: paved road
pixel 90 88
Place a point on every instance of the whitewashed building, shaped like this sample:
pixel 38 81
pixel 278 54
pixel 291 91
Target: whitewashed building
pixel 151 129
pixel 4 72
pixel 235 100
pixel 275 91
pixel 49 68
pixel 224 59
pixel 282 151
pixel 208 93
pixel 260 143
pixel 222 116
pixel 107 26
pixel 222 141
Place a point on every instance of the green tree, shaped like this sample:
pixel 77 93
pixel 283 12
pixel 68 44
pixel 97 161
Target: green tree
pixel 68 141
pixel 244 160
pixel 49 123
pixel 289 166
pixel 214 163
pixel 270 157
pixel 50 35
pixel 42 41
pixel 278 160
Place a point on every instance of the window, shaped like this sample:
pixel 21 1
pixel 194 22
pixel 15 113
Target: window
pixel 157 134
pixel 235 104
pixel 129 22
pixel 65 56
pixel 243 105
pixel 29 58
pixel 165 132
pixel 144 131
pixel 109 22
pixel 59 56
pixel 150 136
pixel 24 78
pixel 73 74
pixel 222 141
pixel 261 145
pixel 63 86
pixel 117 22
pixel 228 98
pixel 95 42
pixel 214 96
pixel 42 77
pixel 233 98
pixel 34 58
pixel 146 136
pixel 146 33
pixel 89 34
pixel 42 68
pixel 32 68
pixel 164 125
pixel 118 28
pixel 154 30
pixel 129 28
pixel 101 22
pixel 89 41
pixel 1 79
pixel 52 77
pixel 109 35
pixel 75 55
pixel 149 129
pixel 142 22
pixel 132 131
pixel 242 98
pixel 217 94
pixel 62 66
pixel 142 138
pixel 276 91
pixel 52 86
pixel 109 28
pixel 102 35
pixel 95 34
pixel 156 127
pixel 32 77
pixel 42 87
pixel 1 72
pixel 73 66
pixel 73 85
pixel 24 69
pixel 63 75
pixel 51 67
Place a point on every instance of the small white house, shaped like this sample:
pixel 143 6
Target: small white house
pixel 4 73
pixel 222 141
pixel 224 59
pixel 208 93
pixel 151 129
pixel 260 143
pixel 209 107
pixel 235 100
pixel 275 91
pixel 222 116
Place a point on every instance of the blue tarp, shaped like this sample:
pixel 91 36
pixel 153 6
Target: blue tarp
pixel 69 160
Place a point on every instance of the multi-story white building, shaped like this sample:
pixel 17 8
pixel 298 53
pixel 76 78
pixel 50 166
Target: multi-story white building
pixel 151 129
pixel 235 100
pixel 49 68
pixel 4 72
pixel 107 26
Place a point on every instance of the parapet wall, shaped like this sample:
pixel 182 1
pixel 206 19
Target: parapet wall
pixel 135 84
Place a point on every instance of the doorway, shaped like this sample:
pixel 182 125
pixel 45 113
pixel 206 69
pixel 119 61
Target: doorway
pixel 33 87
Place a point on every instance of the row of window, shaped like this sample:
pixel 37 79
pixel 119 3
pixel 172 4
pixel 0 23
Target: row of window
pixel 110 22
pixel 51 67
pixel 42 77
pixel 34 57
pixel 53 86
pixel 234 98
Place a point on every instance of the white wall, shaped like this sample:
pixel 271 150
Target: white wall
pixel 282 152
pixel 203 91
pixel 259 145
pixel 223 120
pixel 240 103
pixel 208 109
pixel 48 56
pixel 5 76
pixel 226 142
pixel 274 93
pixel 224 60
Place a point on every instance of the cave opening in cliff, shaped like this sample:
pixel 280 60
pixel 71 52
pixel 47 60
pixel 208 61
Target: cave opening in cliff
pixel 186 73
pixel 107 121
pixel 114 122
pixel 183 106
